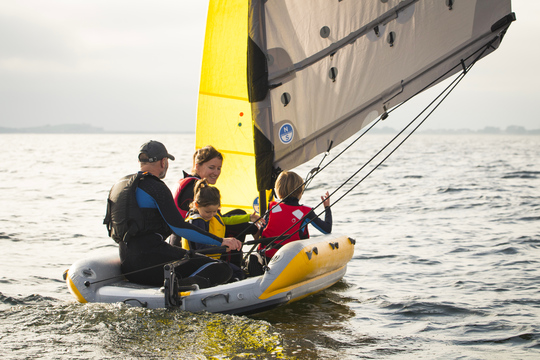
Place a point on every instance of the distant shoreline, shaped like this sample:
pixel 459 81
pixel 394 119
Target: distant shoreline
pixel 77 129
pixel 89 129
pixel 510 130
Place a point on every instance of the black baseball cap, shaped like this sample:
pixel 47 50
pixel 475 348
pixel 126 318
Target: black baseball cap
pixel 155 152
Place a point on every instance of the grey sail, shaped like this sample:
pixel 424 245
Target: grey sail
pixel 319 71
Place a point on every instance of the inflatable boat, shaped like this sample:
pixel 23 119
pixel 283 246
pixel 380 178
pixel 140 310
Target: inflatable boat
pixel 298 269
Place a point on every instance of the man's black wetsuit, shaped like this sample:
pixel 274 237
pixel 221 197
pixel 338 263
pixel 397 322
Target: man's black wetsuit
pixel 147 248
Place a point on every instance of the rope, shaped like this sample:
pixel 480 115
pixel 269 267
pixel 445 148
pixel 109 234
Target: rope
pixel 446 92
pixel 313 171
pixel 384 116
pixel 189 254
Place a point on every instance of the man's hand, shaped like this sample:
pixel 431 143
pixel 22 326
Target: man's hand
pixel 232 244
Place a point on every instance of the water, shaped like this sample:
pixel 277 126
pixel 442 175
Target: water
pixel 446 263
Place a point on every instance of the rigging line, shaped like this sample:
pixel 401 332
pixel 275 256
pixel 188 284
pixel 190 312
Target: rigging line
pixel 309 221
pixel 460 77
pixel 315 174
pixel 454 83
pixel 311 175
pixel 391 141
pixel 346 148
pixel 445 92
pixel 187 255
pixel 129 273
pixel 480 50
pixel 281 237
pixel 448 89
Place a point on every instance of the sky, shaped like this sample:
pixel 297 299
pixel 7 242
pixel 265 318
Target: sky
pixel 133 65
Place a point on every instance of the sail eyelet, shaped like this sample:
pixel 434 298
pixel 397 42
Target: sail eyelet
pixel 376 33
pixel 325 32
pixel 391 38
pixel 332 73
pixel 285 98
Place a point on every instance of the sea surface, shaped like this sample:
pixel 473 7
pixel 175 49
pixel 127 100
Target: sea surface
pixel 446 266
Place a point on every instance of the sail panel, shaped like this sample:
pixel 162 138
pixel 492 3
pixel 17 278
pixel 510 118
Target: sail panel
pixel 333 67
pixel 224 113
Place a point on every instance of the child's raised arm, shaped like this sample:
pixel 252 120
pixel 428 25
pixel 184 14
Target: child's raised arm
pixel 326 200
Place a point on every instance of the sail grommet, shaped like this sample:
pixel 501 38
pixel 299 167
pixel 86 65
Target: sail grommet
pixel 285 98
pixel 325 32
pixel 332 73
pixel 377 33
pixel 391 38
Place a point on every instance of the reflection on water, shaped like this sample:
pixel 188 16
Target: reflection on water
pixel 120 331
pixel 315 327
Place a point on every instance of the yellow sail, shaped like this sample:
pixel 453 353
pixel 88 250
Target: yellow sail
pixel 224 112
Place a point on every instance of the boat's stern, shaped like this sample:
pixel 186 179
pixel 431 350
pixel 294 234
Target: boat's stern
pixel 85 277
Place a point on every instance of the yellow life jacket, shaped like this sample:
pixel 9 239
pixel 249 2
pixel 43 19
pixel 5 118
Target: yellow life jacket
pixel 215 226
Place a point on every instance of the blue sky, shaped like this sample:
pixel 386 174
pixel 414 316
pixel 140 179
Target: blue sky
pixel 134 65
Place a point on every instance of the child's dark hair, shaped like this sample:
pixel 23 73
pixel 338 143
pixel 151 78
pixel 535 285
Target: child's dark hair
pixel 205 194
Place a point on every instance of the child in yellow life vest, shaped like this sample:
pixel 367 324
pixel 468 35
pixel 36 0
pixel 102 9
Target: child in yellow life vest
pixel 204 213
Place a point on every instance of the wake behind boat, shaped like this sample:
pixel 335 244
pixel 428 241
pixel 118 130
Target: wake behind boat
pixel 297 270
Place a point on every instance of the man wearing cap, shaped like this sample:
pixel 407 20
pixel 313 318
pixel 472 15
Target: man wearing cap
pixel 141 214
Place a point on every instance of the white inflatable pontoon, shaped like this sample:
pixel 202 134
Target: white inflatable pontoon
pixel 298 269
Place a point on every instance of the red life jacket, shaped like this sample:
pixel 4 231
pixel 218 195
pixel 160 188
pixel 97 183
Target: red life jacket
pixel 180 186
pixel 281 218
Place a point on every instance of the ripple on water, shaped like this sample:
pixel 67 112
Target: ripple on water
pixel 34 326
pixel 522 175
pixel 421 309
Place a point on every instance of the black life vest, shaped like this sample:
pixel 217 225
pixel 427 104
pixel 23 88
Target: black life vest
pixel 124 218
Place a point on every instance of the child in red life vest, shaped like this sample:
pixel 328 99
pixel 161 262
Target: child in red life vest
pixel 204 213
pixel 289 216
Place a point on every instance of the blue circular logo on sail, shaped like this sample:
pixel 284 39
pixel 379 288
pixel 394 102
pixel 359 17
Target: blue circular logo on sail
pixel 286 133
pixel 256 206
